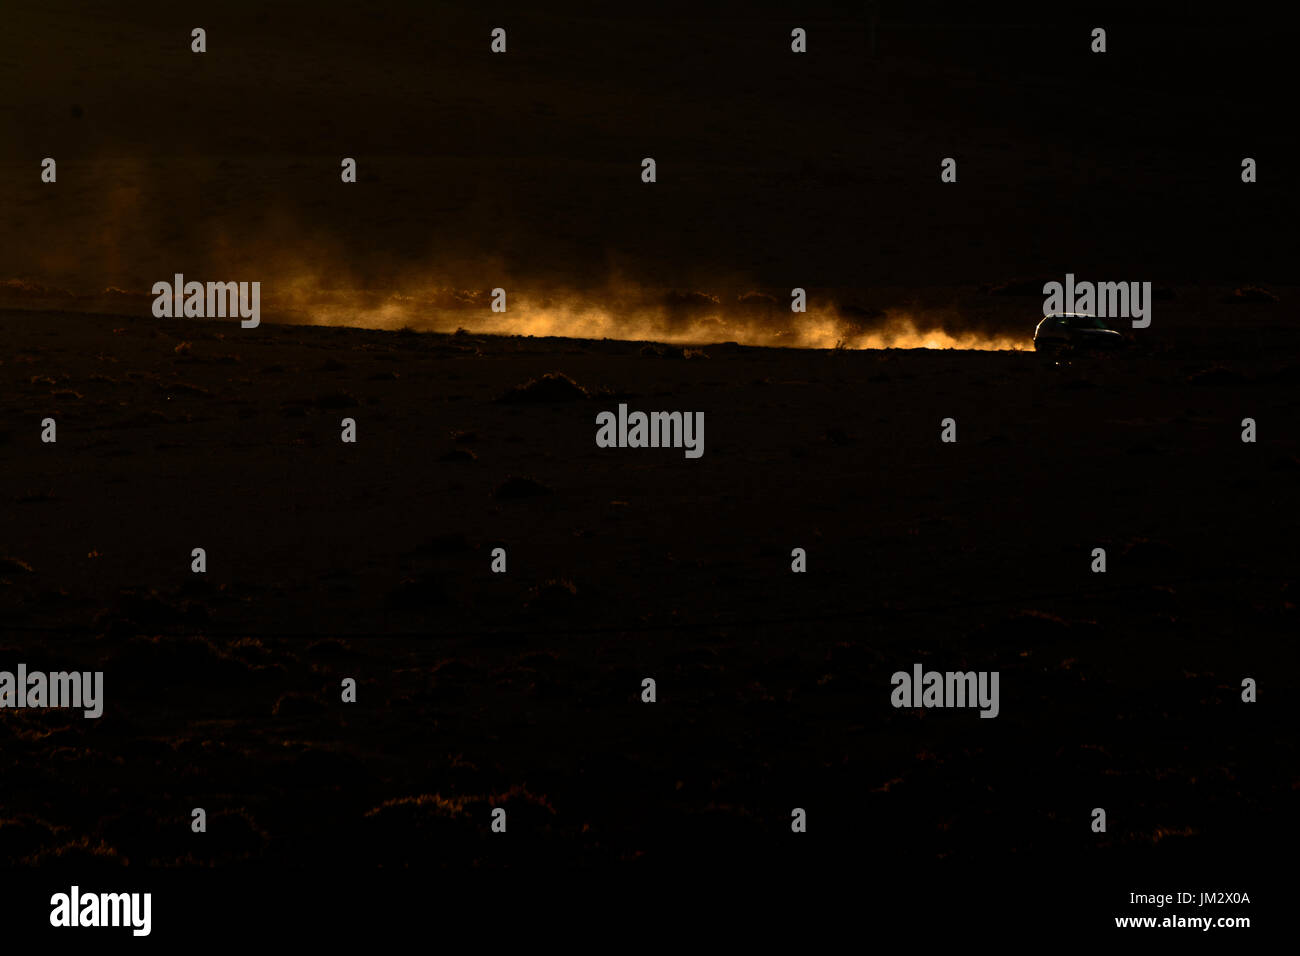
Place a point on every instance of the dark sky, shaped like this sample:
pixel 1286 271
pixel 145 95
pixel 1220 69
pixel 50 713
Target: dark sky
pixel 819 170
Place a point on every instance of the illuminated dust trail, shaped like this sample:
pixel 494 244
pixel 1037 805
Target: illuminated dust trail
pixel 685 319
pixel 627 313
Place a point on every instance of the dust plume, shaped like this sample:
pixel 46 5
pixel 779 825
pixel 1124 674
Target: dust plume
pixel 631 314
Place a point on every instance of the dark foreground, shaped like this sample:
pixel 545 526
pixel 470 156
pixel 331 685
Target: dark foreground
pixel 522 690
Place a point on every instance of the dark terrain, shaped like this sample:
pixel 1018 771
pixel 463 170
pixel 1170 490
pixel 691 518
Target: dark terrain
pixel 371 561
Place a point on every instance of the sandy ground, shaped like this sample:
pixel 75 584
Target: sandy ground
pixel 371 561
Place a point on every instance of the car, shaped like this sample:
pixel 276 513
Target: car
pixel 1075 332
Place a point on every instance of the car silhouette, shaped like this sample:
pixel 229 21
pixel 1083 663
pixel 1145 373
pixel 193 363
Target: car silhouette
pixel 1075 332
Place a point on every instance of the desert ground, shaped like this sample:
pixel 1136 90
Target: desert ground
pixel 372 561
